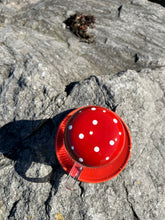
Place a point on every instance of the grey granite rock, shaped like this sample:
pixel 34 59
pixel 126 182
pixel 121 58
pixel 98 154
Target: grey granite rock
pixel 32 179
pixel 45 71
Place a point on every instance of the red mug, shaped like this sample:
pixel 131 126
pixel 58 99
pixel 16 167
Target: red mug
pixel 93 144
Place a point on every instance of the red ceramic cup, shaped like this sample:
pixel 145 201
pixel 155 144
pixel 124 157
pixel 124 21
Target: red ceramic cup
pixel 93 144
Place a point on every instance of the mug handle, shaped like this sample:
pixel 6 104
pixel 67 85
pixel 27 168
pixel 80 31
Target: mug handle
pixel 73 176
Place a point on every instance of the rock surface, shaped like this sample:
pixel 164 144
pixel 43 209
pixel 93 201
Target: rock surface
pixel 45 71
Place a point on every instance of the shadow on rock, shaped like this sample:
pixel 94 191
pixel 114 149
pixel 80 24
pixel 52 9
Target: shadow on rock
pixel 30 144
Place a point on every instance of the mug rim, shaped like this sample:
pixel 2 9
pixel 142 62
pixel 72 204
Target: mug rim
pixel 65 144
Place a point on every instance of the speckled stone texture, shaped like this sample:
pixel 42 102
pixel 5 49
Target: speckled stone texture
pixel 46 71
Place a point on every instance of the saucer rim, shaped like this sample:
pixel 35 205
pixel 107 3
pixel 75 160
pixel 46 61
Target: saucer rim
pixel 96 174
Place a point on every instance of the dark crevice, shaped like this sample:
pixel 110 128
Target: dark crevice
pixel 82 189
pixel 110 102
pixel 114 108
pixel 13 210
pixel 134 213
pixel 55 177
pixel 82 210
pixel 22 82
pixel 69 87
pixel 26 64
pixel 160 2
pixel 119 10
pixel 136 58
pixel 47 203
pixel 136 217
pixel 107 94
pixel 105 40
pixel 11 71
pixel 96 79
pixel 82 214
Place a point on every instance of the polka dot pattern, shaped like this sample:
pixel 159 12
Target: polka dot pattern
pixel 70 127
pixel 111 142
pixel 115 120
pixel 91 140
pixel 81 159
pixel 96 149
pixel 81 135
pixel 94 122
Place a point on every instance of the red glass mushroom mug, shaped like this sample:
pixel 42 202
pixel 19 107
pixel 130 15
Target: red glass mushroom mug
pixel 93 145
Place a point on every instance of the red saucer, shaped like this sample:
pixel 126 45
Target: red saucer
pixel 93 174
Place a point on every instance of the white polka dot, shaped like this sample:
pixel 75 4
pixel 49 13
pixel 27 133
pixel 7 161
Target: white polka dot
pixel 81 159
pixel 94 122
pixel 104 110
pixel 115 120
pixel 107 158
pixel 111 143
pixel 93 109
pixel 115 139
pixel 70 127
pixel 91 132
pixel 72 147
pixel 81 136
pixel 80 111
pixel 96 149
pixel 119 133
